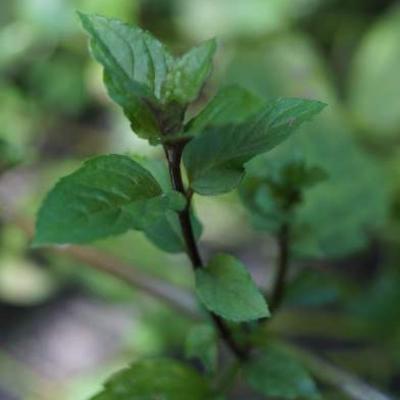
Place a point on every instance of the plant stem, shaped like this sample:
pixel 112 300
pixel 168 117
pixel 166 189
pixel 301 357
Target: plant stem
pixel 349 384
pixel 174 155
pixel 283 240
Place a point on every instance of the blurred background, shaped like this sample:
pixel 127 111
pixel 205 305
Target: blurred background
pixel 65 326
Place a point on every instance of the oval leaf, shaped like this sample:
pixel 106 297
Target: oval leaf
pixel 135 67
pixel 107 196
pixel 226 288
pixel 141 75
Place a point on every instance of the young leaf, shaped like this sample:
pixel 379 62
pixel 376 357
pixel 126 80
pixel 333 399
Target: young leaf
pixel 273 196
pixel 231 105
pixel 156 379
pixel 151 86
pixel 107 196
pixel 215 160
pixel 201 343
pixel 135 67
pixel 188 74
pixel 275 373
pixel 227 289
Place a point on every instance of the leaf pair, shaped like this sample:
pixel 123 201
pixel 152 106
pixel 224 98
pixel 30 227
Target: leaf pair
pixel 226 288
pixel 142 76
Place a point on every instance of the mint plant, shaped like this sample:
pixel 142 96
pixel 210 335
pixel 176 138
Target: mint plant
pixel 111 194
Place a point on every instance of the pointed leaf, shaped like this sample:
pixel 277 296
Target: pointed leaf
pixel 107 196
pixel 135 67
pixel 156 379
pixel 215 160
pixel 227 289
pixel 130 53
pixel 188 74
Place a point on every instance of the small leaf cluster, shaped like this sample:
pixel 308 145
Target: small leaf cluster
pixel 111 194
pixel 273 196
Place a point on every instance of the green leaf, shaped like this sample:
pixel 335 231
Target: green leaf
pixel 141 75
pixel 188 74
pixel 165 379
pixel 166 232
pixel 201 343
pixel 215 160
pixel 275 373
pixel 107 196
pixel 273 196
pixel 231 105
pixel 226 288
pixel 135 68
